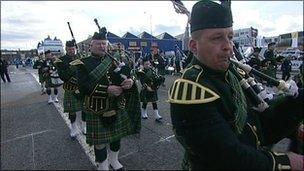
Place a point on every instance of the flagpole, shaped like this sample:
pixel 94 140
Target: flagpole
pixel 181 9
pixel 151 31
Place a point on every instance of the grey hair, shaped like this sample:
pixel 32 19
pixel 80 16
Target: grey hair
pixel 196 34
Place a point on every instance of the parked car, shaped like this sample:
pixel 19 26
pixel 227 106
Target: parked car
pixel 298 55
pixel 292 54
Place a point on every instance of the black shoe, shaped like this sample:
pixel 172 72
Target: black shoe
pixel 144 117
pixel 158 120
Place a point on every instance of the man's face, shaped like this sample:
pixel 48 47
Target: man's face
pixel 70 51
pixel 99 47
pixel 49 56
pixel 271 47
pixel 147 64
pixel 214 47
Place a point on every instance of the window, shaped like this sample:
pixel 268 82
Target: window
pixel 143 44
pixel 132 44
pixel 285 36
pixel 154 43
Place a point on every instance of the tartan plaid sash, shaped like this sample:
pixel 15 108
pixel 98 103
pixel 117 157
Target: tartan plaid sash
pixel 239 101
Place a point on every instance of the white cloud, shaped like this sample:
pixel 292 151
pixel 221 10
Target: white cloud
pixel 37 19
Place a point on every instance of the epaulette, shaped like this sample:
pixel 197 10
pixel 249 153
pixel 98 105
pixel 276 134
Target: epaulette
pixel 188 92
pixel 140 70
pixel 192 73
pixel 83 56
pixel 58 60
pixel 76 62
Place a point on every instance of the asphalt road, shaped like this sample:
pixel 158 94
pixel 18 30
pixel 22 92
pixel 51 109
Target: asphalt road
pixel 35 135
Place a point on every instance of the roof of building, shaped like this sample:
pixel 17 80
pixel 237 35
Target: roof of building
pixel 145 35
pixel 165 35
pixel 180 36
pixel 112 35
pixel 129 35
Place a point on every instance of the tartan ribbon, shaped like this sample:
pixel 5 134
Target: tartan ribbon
pixel 239 101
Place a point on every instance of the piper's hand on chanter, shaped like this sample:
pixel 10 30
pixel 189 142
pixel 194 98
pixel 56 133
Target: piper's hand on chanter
pixel 296 161
pixel 45 69
pixel 149 88
pixel 127 84
pixel 114 90
pixel 293 88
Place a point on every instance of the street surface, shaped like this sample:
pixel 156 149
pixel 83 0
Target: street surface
pixel 35 135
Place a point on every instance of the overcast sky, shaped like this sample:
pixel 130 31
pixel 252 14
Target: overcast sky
pixel 25 23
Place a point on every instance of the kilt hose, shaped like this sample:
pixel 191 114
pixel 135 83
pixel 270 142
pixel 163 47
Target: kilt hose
pixel 71 103
pixel 99 133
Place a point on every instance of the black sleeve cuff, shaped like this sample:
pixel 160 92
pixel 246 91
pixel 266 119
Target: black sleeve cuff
pixel 280 161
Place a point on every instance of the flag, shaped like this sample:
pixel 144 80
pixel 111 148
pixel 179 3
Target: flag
pixel 180 7
pixel 294 37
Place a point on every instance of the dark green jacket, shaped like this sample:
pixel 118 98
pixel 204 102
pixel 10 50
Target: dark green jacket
pixel 202 117
pixel 63 66
pixel 94 75
pixel 39 64
pixel 255 63
pixel 149 77
pixel 66 73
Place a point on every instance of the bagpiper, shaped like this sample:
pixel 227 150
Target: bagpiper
pixel 213 119
pixel 150 82
pixel 49 72
pixel 111 104
pixel 72 101
pixel 39 63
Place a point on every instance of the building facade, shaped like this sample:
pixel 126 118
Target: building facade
pixel 291 40
pixel 143 43
pixel 54 45
pixel 246 37
pixel 12 55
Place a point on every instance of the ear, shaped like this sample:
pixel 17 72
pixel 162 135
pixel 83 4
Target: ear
pixel 193 46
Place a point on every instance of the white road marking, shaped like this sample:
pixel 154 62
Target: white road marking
pixel 167 139
pixel 27 135
pixel 89 151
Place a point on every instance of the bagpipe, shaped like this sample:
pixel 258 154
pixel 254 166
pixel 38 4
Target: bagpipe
pixel 79 54
pixel 252 88
pixel 73 38
pixel 245 74
pixel 121 71
pixel 51 71
pixel 152 80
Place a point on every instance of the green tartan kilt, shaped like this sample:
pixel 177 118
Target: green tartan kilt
pixel 48 83
pixel 71 103
pixel 148 96
pixel 162 72
pixel 98 133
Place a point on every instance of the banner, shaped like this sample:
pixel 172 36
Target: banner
pixel 294 37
